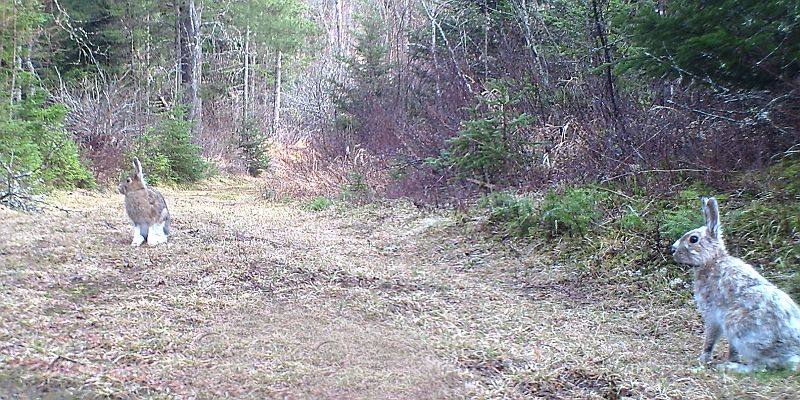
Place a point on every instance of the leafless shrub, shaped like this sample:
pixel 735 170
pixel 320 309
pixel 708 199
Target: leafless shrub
pixel 104 118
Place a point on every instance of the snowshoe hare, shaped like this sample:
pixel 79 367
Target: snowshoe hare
pixel 146 208
pixel 761 322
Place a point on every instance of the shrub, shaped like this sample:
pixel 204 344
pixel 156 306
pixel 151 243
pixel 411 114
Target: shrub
pixel 573 212
pixel 156 165
pixel 677 222
pixel 253 144
pixel 356 188
pixel 169 156
pixel 32 139
pixel 492 142
pixel 515 215
pixel 767 230
pixel 632 220
pixel 787 173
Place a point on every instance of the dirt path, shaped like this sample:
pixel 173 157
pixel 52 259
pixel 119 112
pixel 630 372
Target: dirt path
pixel 256 299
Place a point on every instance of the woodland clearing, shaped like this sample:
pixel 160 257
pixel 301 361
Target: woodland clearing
pixel 255 298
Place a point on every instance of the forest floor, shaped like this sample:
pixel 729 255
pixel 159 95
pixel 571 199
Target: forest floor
pixel 255 299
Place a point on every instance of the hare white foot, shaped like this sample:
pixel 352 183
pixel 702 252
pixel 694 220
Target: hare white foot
pixel 156 235
pixel 138 239
pixel 736 367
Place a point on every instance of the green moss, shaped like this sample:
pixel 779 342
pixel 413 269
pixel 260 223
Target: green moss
pixel 632 220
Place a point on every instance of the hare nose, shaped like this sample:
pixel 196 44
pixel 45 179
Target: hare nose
pixel 674 247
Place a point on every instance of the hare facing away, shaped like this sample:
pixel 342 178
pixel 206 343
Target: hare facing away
pixel 761 322
pixel 146 208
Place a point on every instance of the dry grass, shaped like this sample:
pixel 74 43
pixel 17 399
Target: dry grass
pixel 253 299
pixel 298 170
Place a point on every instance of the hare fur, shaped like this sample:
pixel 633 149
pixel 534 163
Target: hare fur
pixel 760 321
pixel 146 209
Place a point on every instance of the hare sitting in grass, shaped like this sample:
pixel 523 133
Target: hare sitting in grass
pixel 146 208
pixel 761 322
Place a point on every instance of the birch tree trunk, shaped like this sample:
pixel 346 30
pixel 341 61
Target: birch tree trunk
pixel 276 106
pixel 29 63
pixel 433 57
pixel 196 70
pixel 16 89
pixel 16 94
pixel 523 16
pixel 179 53
pixel 246 96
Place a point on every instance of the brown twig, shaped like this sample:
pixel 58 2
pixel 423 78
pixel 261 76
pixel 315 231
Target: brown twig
pixel 60 357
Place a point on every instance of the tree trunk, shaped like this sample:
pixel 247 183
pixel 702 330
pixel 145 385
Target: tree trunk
pixel 179 51
pixel 276 106
pixel 435 61
pixel 16 90
pixel 29 63
pixel 608 60
pixel 246 96
pixel 523 17
pixel 16 94
pixel 147 62
pixel 339 21
pixel 486 22
pixel 196 70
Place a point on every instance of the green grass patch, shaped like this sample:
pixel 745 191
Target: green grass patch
pixel 574 211
pixel 319 203
pixel 511 214
pixel 604 233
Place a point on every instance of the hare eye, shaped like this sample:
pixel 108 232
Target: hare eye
pixel 129 180
pixel 693 239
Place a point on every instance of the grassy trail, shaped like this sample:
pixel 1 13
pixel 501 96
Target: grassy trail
pixel 253 299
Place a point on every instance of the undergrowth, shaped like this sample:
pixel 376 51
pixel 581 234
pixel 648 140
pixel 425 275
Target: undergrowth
pixel 513 215
pixel 606 233
pixel 168 154
pixel 319 203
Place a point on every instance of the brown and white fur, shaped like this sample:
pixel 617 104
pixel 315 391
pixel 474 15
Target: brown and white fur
pixel 146 208
pixel 761 322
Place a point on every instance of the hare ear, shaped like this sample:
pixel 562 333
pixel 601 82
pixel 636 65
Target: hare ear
pixel 711 214
pixel 137 167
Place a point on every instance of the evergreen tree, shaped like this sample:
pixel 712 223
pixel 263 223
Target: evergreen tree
pixel 366 92
pixel 33 142
pixel 747 44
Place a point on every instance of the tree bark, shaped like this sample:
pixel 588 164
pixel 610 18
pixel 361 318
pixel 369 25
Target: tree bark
pixel 29 62
pixel 608 60
pixel 179 51
pixel 486 22
pixel 276 106
pixel 246 97
pixel 339 22
pixel 435 61
pixel 523 17
pixel 196 70
pixel 16 90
